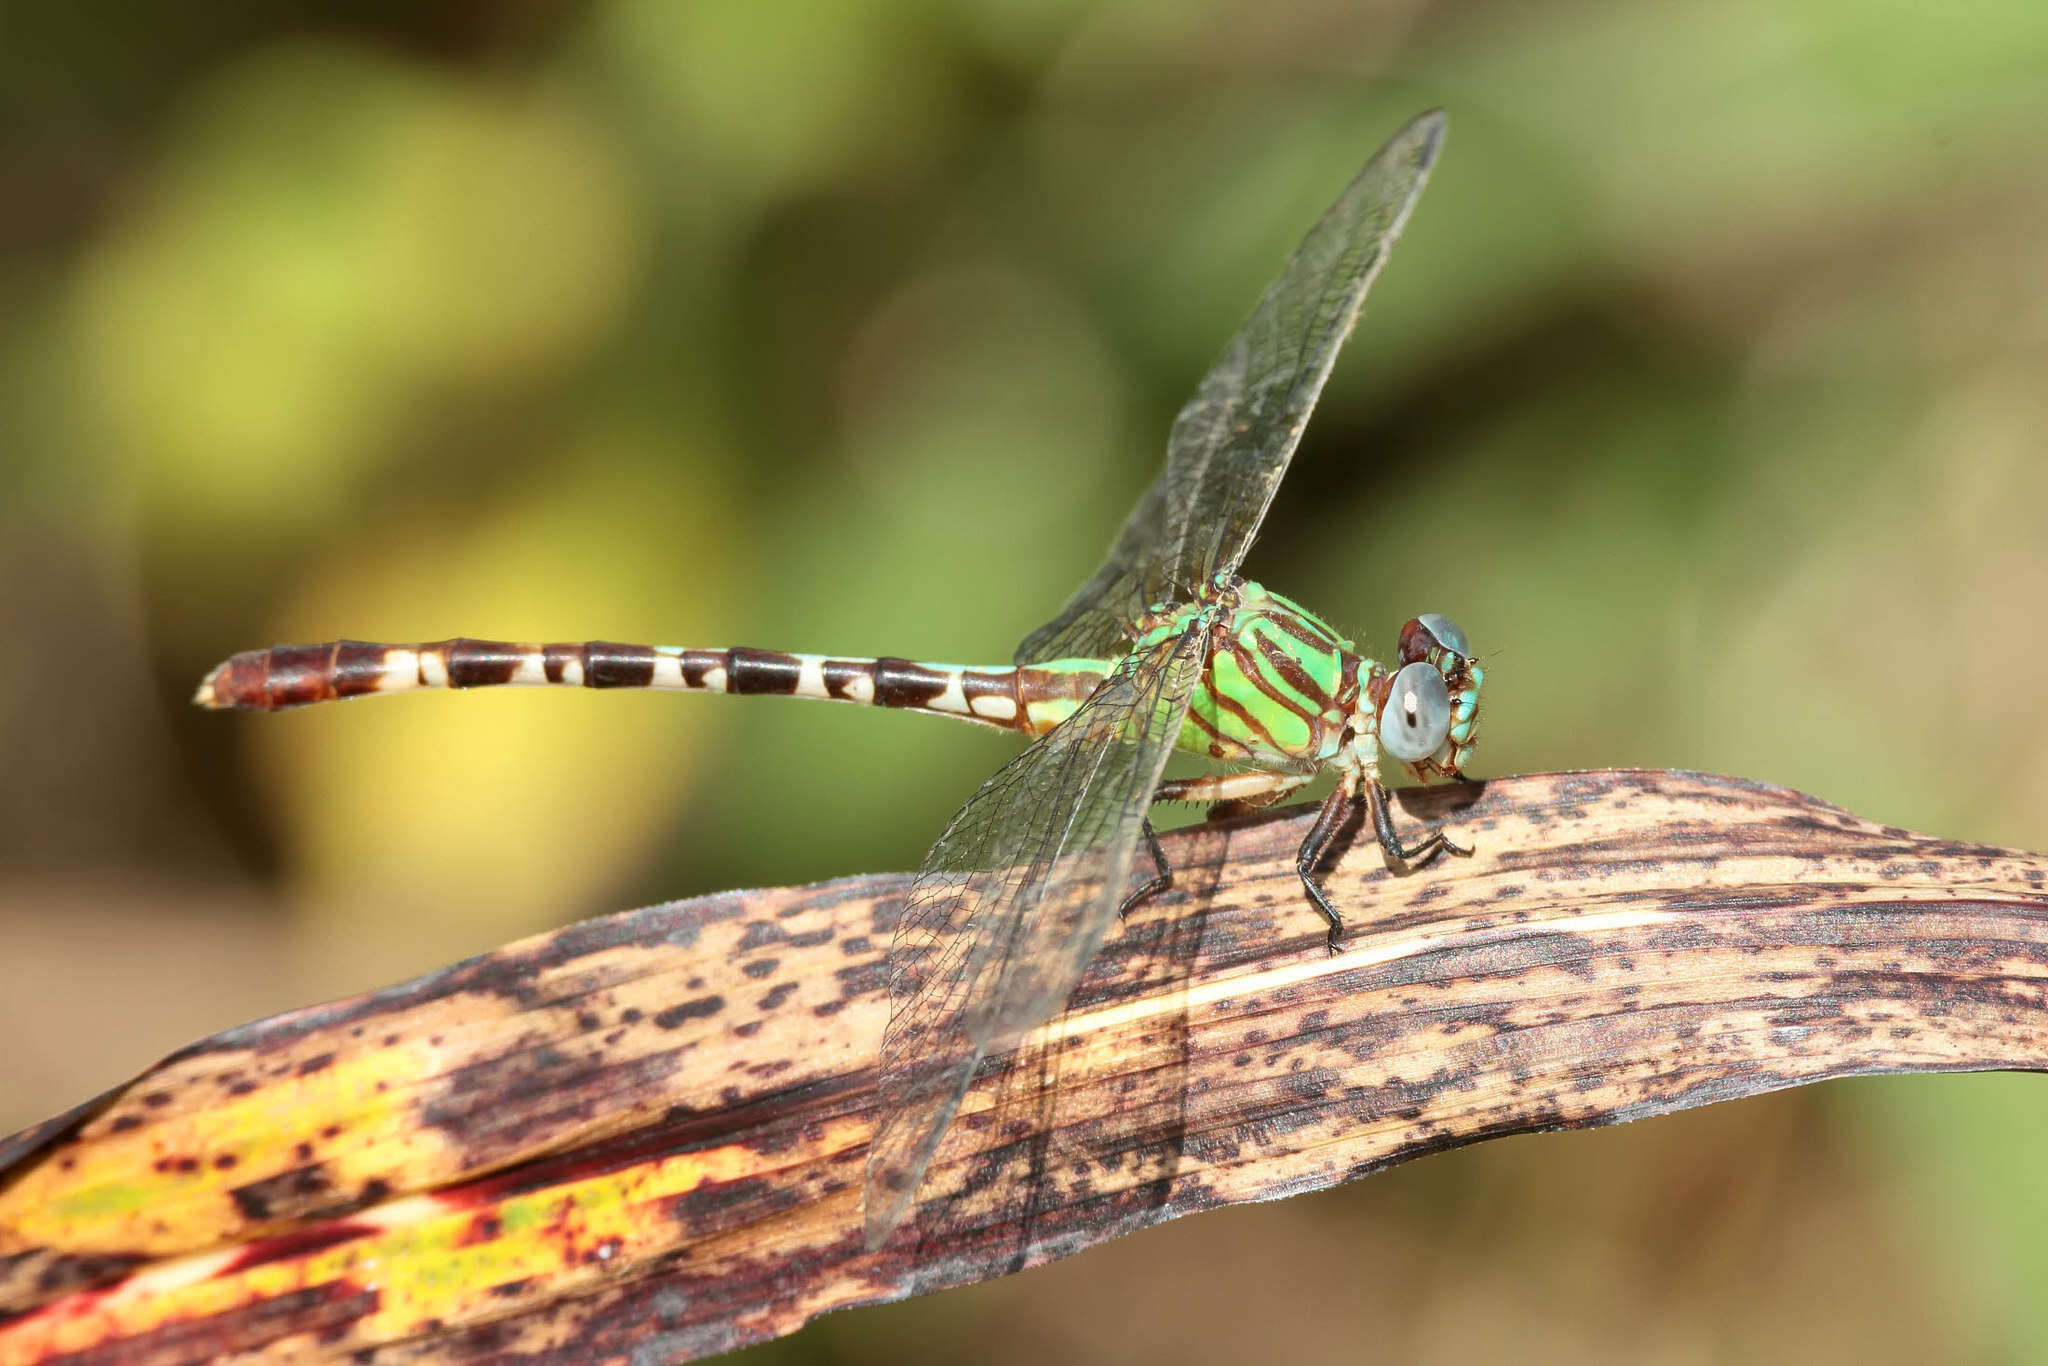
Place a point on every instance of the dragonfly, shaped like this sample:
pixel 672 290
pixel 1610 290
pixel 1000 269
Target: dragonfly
pixel 1165 648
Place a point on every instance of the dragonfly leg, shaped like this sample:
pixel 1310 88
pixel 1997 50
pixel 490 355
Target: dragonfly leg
pixel 1390 841
pixel 1233 794
pixel 1159 882
pixel 1337 809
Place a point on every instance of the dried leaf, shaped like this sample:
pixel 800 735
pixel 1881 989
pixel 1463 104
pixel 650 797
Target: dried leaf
pixel 645 1134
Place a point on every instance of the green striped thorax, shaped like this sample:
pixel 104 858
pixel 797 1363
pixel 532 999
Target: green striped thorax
pixel 1281 688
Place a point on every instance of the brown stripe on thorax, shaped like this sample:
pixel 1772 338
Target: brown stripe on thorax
pixel 1290 670
pixel 1221 746
pixel 1347 685
pixel 1296 627
pixel 1224 702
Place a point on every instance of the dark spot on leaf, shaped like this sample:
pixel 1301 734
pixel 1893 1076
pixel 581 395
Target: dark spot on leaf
pixel 759 934
pixel 69 1271
pixel 698 1009
pixel 299 1193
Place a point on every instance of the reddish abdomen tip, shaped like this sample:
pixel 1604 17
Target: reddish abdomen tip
pixel 293 676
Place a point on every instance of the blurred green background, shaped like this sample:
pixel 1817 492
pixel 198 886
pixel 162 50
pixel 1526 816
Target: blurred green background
pixel 1706 391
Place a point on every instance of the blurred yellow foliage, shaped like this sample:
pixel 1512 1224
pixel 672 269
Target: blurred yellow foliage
pixel 332 236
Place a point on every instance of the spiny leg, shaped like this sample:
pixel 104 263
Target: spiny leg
pixel 1243 804
pixel 1247 791
pixel 1337 809
pixel 1231 794
pixel 1158 883
pixel 1234 807
pixel 1390 841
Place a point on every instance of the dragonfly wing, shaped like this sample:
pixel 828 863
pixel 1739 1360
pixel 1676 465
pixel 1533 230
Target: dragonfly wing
pixel 1230 445
pixel 1013 902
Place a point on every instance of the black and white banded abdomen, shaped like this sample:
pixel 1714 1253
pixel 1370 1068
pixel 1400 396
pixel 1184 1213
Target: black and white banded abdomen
pixel 299 675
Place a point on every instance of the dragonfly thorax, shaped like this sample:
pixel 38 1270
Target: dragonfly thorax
pixel 1278 684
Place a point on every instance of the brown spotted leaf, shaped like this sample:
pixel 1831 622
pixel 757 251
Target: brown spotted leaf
pixel 644 1136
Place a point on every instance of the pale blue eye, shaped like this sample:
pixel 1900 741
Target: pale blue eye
pixel 1446 631
pixel 1418 711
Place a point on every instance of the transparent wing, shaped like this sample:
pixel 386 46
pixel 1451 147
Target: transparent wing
pixel 1069 1128
pixel 1013 902
pixel 1231 443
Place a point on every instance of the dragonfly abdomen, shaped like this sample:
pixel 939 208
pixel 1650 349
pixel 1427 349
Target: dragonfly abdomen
pixel 298 675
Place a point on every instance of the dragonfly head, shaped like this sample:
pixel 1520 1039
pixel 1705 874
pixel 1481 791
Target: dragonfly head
pixel 1428 713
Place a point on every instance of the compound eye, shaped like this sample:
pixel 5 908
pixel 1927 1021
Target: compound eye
pixel 1417 715
pixel 1446 631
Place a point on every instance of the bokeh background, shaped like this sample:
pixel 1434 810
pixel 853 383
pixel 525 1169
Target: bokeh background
pixel 1706 390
